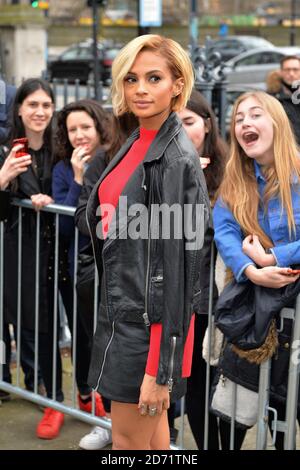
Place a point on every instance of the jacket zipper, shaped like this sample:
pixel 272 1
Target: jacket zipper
pixel 113 324
pixel 158 278
pixel 171 363
pixel 145 315
pixel 105 353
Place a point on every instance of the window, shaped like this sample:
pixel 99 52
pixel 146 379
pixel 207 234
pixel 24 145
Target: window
pixel 71 54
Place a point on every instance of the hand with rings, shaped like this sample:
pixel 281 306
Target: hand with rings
pixel 147 410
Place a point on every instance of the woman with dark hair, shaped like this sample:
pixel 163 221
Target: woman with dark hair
pixel 82 134
pixel 200 124
pixel 32 118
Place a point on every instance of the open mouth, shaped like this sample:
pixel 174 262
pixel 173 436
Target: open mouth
pixel 250 137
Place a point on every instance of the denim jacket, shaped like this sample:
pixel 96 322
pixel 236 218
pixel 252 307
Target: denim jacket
pixel 273 220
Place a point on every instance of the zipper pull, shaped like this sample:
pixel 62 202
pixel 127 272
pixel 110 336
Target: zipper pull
pixel 170 385
pixel 146 319
pixel 158 278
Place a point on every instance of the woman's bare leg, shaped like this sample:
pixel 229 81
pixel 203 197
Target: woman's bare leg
pixel 131 431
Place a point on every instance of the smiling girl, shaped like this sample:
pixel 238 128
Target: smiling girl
pixel 256 218
pixel 32 118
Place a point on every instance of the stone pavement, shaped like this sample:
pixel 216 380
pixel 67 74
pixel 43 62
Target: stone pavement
pixel 19 418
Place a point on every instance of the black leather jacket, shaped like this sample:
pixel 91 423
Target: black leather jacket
pixel 156 279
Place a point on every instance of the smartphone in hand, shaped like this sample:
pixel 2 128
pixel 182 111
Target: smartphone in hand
pixel 23 151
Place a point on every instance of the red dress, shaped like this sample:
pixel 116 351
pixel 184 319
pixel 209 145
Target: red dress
pixel 109 192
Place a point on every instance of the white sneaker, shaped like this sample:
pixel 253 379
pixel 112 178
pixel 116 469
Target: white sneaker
pixel 96 439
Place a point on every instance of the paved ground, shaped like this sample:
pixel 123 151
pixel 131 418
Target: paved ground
pixel 19 419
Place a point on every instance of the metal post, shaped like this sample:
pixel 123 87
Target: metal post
pixel 193 26
pixel 55 308
pixel 206 89
pixel 141 29
pixel 293 384
pixel 2 347
pixel 263 403
pixel 37 301
pixel 221 104
pixel 233 414
pixel 95 49
pixel 74 332
pixel 293 26
pixel 209 327
pixel 19 293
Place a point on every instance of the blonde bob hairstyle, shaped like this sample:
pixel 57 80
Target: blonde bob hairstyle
pixel 177 59
pixel 239 190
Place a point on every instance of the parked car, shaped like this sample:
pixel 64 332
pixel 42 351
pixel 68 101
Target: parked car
pixel 231 46
pixel 78 62
pixel 252 67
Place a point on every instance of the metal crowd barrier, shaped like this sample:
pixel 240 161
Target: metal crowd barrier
pixel 288 426
pixel 17 389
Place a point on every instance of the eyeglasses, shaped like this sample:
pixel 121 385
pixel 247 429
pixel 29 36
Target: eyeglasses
pixel 291 69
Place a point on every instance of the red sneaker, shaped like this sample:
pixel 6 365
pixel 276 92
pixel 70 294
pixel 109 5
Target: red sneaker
pixel 50 424
pixel 87 407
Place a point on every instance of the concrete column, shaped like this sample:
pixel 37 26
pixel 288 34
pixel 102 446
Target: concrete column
pixel 23 44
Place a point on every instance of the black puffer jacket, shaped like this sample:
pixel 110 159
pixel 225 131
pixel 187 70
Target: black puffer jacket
pixel 244 313
pixel 159 277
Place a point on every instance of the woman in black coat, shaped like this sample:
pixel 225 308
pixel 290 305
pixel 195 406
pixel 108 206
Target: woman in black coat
pixel 32 118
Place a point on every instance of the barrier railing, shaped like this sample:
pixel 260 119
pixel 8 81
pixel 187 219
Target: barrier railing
pixel 288 426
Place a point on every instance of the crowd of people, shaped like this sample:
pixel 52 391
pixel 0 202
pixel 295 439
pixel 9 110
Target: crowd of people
pixel 161 146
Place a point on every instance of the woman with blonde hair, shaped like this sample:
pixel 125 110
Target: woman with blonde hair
pixel 256 217
pixel 143 343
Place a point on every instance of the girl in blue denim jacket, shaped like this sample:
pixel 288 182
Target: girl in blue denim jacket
pixel 257 214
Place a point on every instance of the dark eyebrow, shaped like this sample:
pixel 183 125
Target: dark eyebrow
pixel 253 107
pixel 37 102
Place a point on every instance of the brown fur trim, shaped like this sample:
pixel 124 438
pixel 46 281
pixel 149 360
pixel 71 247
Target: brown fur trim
pixel 228 276
pixel 273 82
pixel 264 352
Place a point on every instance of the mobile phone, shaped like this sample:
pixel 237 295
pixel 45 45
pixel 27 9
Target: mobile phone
pixel 293 271
pixel 23 151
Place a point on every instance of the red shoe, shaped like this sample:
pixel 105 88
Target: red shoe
pixel 50 424
pixel 87 407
